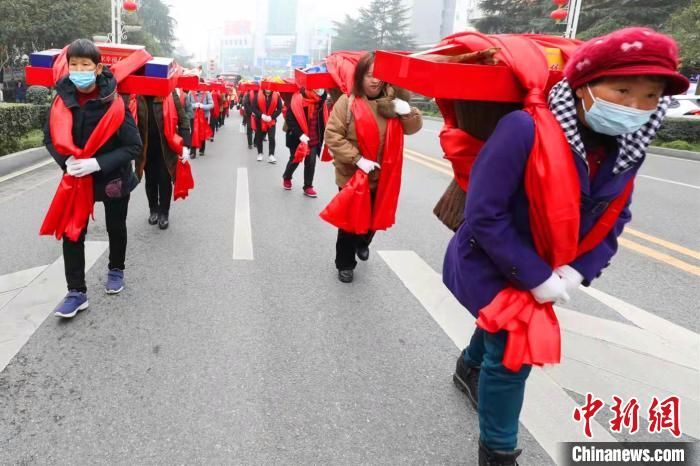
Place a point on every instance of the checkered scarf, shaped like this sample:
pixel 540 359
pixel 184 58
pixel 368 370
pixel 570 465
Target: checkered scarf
pixel 633 146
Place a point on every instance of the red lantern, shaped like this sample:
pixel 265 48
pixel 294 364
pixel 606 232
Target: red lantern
pixel 130 6
pixel 559 15
pixel 560 3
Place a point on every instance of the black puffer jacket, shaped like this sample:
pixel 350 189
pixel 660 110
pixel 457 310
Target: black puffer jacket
pixel 116 155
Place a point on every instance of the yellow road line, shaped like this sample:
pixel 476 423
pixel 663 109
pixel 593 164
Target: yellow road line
pixel 429 164
pixel 445 168
pixel 659 256
pixel 664 243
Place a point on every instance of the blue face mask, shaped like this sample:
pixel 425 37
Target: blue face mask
pixel 82 79
pixel 614 119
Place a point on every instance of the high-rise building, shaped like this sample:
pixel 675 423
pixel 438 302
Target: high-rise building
pixel 236 47
pixel 431 20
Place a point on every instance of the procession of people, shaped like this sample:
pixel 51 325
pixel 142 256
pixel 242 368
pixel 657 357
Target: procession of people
pixel 565 160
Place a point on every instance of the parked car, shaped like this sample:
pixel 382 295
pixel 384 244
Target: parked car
pixel 684 105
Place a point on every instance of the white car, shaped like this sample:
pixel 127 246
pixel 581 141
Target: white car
pixel 684 105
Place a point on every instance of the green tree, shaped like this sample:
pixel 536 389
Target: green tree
pixel 384 24
pixel 598 17
pixel 684 26
pixel 157 32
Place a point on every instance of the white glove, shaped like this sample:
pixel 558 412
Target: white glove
pixel 70 161
pixel 401 107
pixel 572 278
pixel 304 138
pixel 553 290
pixel 83 167
pixel 198 105
pixel 367 165
pixel 267 118
pixel 185 155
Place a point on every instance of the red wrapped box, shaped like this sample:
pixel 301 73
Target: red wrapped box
pixel 144 85
pixel 288 86
pixel 112 53
pixel 314 80
pixel 188 83
pixel 459 81
pixel 38 76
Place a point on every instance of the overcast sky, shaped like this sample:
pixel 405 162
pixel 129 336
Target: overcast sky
pixel 196 17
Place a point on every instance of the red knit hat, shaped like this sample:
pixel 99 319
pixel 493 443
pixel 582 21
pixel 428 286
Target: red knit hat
pixel 628 52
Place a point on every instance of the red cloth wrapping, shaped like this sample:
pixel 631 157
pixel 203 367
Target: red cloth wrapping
pixel 170 120
pixel 353 211
pixel 341 66
pixel 183 180
pixel 216 98
pixel 134 107
pixel 74 200
pixel 325 152
pixel 266 110
pixel 553 191
pixel 201 130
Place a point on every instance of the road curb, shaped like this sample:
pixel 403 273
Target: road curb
pixel 679 154
pixel 18 161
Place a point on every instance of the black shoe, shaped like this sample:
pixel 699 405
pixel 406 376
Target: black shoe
pixel 466 378
pixel 163 222
pixel 211 140
pixel 201 153
pixel 153 218
pixel 249 146
pixel 194 155
pixel 362 252
pixel 346 276
pixel 496 457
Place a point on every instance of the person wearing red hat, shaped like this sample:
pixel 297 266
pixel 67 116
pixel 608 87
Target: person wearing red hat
pixel 602 117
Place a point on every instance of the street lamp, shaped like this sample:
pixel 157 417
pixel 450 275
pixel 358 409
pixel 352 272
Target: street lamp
pixel 118 31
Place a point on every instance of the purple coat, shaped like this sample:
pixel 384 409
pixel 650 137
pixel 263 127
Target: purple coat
pixel 494 247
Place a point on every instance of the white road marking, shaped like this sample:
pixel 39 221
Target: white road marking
pixel 242 229
pixel 649 322
pixel 24 313
pixel 547 411
pixel 12 281
pixel 670 181
pixel 25 170
pixel 666 157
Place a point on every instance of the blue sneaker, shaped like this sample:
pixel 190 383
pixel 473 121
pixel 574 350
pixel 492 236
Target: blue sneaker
pixel 73 302
pixel 115 281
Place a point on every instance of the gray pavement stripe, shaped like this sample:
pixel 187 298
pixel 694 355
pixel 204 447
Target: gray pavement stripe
pixel 549 426
pixel 23 314
pixel 670 181
pixel 242 229
pixel 25 170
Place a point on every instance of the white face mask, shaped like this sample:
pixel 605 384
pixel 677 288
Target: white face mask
pixel 614 119
pixel 320 92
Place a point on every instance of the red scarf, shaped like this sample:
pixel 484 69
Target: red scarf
pixel 170 120
pixel 553 191
pixel 201 130
pixel 134 107
pixel 265 125
pixel 216 110
pixel 351 209
pixel 325 153
pixel 300 103
pixel 74 200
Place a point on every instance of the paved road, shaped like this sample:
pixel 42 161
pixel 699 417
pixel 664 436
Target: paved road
pixel 209 357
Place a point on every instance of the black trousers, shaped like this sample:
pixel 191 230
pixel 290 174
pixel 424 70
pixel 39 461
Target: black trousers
pixel 159 187
pixel 260 135
pixel 346 247
pixel 74 251
pixel 309 167
pixel 249 130
pixel 347 244
pixel 213 124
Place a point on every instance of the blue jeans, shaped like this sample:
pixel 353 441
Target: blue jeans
pixel 501 391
